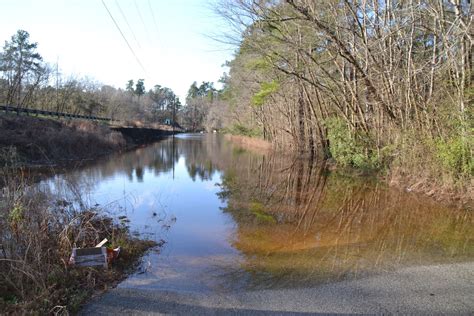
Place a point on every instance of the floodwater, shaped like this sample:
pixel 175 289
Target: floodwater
pixel 235 219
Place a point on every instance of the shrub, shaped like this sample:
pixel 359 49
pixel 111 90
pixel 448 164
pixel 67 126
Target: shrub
pixel 258 210
pixel 455 155
pixel 349 149
pixel 41 140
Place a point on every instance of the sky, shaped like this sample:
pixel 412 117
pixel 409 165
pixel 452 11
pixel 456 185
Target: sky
pixel 170 38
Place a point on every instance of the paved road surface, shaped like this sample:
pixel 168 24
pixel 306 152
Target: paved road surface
pixel 442 289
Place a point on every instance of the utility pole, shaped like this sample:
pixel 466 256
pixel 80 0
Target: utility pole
pixel 173 140
pixel 174 116
pixel 57 84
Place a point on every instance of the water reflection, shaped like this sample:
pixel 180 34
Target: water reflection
pixel 299 224
pixel 248 220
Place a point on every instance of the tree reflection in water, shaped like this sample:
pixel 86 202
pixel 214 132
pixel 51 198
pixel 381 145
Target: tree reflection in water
pixel 296 222
pixel 299 224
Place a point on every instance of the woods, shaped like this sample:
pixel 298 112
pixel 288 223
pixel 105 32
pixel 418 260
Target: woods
pixel 369 83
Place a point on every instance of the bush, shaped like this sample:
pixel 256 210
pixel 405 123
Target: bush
pixel 455 155
pixel 353 150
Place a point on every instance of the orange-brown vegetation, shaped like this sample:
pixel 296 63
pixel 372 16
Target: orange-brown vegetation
pixel 38 140
pixel 250 142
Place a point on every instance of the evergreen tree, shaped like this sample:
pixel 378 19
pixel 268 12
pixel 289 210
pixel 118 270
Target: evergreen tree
pixel 129 88
pixel 22 68
pixel 140 88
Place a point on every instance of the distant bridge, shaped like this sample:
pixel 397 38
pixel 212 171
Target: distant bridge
pixel 144 135
pixel 18 110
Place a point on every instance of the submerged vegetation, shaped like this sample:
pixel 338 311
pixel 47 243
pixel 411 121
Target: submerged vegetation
pixel 39 227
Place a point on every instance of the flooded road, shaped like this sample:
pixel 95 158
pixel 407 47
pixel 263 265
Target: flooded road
pixel 235 220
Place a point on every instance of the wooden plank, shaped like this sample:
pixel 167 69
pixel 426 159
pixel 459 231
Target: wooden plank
pixel 102 242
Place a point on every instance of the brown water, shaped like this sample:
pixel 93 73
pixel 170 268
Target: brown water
pixel 243 220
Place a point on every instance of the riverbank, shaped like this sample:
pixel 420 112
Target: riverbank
pixel 39 226
pixel 437 289
pixel 460 193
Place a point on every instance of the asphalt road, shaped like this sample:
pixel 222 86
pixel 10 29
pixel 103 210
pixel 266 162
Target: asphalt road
pixel 440 289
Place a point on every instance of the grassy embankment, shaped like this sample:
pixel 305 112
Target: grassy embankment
pixel 38 141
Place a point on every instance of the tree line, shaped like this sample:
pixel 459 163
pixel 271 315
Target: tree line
pixel 26 80
pixel 366 82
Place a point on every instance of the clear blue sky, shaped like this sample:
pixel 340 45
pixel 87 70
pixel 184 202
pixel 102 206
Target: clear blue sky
pixel 173 47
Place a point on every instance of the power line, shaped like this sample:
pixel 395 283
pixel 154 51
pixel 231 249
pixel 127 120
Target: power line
pixel 143 21
pixel 128 24
pixel 153 16
pixel 124 38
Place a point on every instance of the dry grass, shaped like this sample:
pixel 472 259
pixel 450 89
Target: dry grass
pixel 459 194
pixel 43 141
pixel 37 232
pixel 250 142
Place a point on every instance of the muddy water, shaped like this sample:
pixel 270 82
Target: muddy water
pixel 234 219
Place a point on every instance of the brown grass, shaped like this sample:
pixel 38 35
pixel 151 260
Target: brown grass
pixel 445 192
pixel 250 142
pixel 38 229
pixel 44 141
